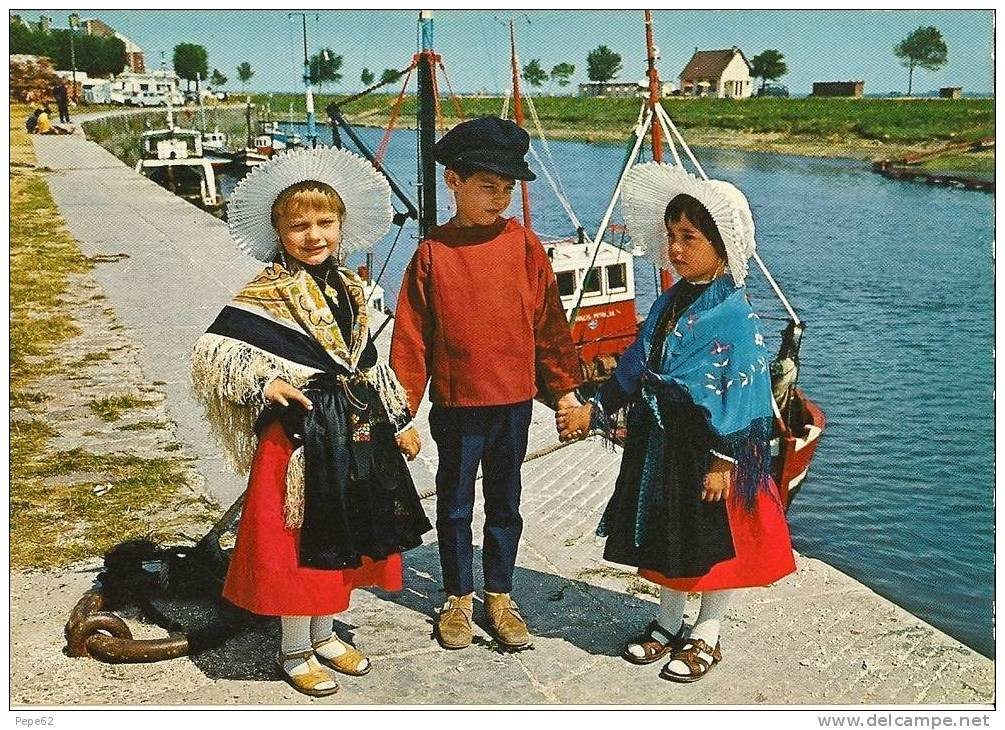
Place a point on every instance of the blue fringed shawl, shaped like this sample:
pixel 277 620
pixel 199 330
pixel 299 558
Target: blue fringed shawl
pixel 716 355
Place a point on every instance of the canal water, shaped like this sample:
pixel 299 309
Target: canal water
pixel 895 281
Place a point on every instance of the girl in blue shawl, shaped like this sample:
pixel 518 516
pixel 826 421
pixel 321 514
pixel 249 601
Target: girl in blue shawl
pixel 694 506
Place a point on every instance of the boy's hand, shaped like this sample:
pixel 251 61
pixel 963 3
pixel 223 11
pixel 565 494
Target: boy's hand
pixel 574 423
pixel 281 392
pixel 569 400
pixel 408 443
pixel 718 482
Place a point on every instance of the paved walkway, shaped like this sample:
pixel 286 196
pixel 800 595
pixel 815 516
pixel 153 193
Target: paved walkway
pixel 818 637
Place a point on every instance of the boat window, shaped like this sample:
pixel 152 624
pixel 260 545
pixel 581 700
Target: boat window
pixel 591 285
pixel 566 283
pixel 617 278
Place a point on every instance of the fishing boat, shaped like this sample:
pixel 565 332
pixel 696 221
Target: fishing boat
pixel 174 158
pixel 595 275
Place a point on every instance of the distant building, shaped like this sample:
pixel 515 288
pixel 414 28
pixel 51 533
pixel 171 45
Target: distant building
pixel 951 92
pixel 621 88
pixel 724 74
pixel 839 88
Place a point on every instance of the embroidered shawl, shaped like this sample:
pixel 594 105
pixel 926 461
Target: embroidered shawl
pixel 716 355
pixel 279 325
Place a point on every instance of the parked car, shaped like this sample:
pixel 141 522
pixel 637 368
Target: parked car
pixel 773 90
pixel 146 98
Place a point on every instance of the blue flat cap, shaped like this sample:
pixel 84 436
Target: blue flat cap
pixel 487 143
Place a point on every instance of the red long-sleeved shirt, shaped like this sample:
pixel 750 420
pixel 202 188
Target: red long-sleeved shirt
pixel 479 315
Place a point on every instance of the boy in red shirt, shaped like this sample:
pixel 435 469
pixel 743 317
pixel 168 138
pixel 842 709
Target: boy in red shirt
pixel 479 314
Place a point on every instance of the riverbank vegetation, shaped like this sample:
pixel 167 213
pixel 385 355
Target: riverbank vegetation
pixel 70 504
pixel 831 127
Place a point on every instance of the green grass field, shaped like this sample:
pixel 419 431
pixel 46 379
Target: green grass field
pixel 903 121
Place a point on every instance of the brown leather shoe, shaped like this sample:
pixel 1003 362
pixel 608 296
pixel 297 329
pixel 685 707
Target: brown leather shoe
pixel 506 623
pixel 453 624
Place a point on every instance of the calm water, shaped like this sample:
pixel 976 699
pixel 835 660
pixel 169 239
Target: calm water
pixel 895 281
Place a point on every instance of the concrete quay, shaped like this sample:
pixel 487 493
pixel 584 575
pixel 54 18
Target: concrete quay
pixel 817 637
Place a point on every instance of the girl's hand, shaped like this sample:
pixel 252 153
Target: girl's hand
pixel 408 443
pixel 718 482
pixel 281 392
pixel 574 423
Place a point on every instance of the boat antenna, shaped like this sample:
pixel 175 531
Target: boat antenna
pixel 170 107
pixel 518 117
pixel 655 89
pixel 312 133
pixel 426 119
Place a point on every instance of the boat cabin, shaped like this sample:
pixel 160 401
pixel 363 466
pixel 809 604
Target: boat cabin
pixel 171 144
pixel 597 289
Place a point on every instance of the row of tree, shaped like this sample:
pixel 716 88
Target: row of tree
pixel 94 55
pixel 924 48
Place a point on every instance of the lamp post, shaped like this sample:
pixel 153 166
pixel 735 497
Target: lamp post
pixel 74 24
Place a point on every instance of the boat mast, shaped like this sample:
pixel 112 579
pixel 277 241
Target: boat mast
pixel 312 133
pixel 170 107
pixel 427 126
pixel 518 117
pixel 666 280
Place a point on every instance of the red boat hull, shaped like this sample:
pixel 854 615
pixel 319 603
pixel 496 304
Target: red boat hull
pixel 796 443
pixel 601 333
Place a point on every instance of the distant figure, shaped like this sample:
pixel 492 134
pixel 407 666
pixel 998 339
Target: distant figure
pixel 59 93
pixel 31 123
pixel 44 126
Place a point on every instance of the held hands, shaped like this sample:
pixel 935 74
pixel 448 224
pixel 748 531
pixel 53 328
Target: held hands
pixel 280 392
pixel 573 423
pixel 718 482
pixel 408 443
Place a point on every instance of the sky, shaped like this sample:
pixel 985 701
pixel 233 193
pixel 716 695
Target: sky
pixel 818 45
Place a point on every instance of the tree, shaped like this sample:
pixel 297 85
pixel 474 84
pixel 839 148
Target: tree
pixel 325 67
pixel 244 73
pixel 217 79
pixel 366 77
pixel 389 75
pixel 190 62
pixel 603 64
pixel 562 72
pixel 93 54
pixel 925 48
pixel 533 74
pixel 768 66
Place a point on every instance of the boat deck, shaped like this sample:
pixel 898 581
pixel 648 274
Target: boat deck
pixel 817 637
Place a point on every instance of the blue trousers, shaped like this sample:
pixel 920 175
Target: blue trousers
pixel 496 438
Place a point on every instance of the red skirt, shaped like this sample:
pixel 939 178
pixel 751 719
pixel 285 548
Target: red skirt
pixel 762 544
pixel 265 576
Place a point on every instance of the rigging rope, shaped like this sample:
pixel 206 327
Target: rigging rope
pixel 453 96
pixel 764 269
pixel 547 151
pixel 640 133
pixel 436 96
pixel 395 111
pixel 561 198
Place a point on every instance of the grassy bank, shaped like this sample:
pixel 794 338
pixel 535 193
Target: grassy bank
pixel 822 127
pixel 70 504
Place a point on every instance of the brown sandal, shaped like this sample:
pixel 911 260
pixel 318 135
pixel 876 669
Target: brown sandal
pixel 346 662
pixel 306 683
pixel 698 666
pixel 653 648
